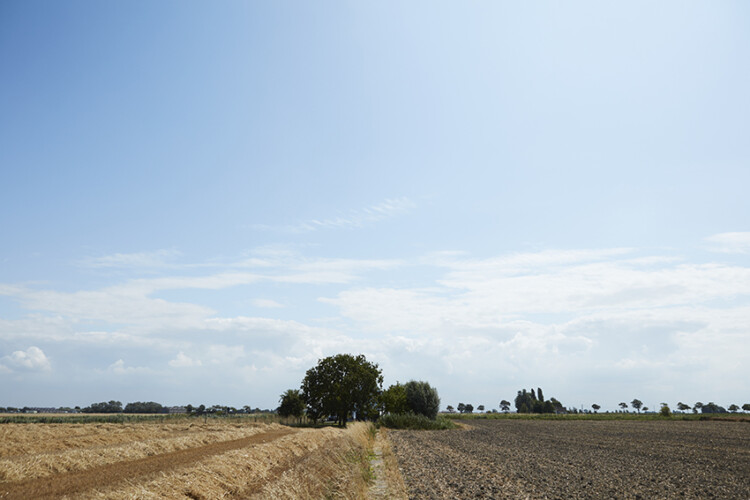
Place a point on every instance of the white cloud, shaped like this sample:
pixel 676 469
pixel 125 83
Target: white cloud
pixel 566 318
pixel 737 242
pixel 184 361
pixel 119 368
pixel 224 354
pixel 576 318
pixel 487 294
pixel 119 304
pixel 266 303
pixel 32 359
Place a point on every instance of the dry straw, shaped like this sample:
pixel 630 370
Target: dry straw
pixel 278 462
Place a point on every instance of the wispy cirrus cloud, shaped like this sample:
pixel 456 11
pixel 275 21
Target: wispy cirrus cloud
pixel 137 260
pixel 352 219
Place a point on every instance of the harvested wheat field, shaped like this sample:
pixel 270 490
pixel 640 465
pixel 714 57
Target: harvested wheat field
pixel 186 459
pixel 577 459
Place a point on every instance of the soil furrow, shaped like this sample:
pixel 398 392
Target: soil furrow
pixel 577 459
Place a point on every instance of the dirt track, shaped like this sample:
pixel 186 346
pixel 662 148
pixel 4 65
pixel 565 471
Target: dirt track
pixel 577 459
pixel 71 483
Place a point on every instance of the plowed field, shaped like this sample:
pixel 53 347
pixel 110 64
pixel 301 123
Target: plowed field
pixel 577 459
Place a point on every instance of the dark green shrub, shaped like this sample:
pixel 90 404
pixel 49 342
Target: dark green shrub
pixel 422 399
pixel 393 399
pixel 411 421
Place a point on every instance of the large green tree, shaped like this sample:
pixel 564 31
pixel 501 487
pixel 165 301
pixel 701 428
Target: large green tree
pixel 340 386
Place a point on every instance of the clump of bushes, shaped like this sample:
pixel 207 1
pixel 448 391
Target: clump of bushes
pixel 413 405
pixel 412 421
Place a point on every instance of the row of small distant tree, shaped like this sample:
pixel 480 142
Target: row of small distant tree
pixel 682 407
pixel 344 387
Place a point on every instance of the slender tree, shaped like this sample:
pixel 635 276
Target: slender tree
pixel 422 398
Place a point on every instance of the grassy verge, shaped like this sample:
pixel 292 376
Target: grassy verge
pixel 391 475
pixel 411 421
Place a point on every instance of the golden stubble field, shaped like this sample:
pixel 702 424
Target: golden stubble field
pixel 184 459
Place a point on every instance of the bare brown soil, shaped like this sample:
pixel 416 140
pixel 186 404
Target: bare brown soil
pixel 577 459
pixel 70 483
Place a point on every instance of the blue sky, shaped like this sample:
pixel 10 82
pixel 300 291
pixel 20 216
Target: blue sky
pixel 198 202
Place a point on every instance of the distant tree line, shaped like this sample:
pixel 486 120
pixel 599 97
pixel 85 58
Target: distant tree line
pixel 111 407
pixel 156 408
pixel 533 401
